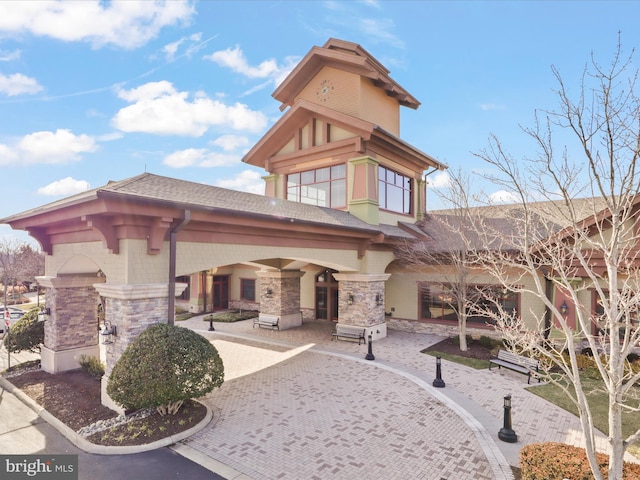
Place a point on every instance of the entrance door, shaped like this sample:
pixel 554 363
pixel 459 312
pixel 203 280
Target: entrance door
pixel 326 296
pixel 220 292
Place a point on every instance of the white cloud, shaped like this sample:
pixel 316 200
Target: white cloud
pixel 230 143
pixel 200 157
pixel 127 24
pixel 246 181
pixel 9 56
pixel 61 146
pixel 503 196
pixel 234 59
pixel 439 180
pixel 66 186
pixel 171 49
pixel 492 106
pixel 160 109
pixel 108 137
pixel 18 84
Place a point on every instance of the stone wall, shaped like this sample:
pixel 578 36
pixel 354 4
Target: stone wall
pixel 413 326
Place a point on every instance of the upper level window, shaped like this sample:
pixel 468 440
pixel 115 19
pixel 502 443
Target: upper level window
pixel 394 191
pixel 324 187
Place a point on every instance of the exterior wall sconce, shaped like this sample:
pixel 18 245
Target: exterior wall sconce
pixel 564 308
pixel 269 293
pixel 350 300
pixel 43 314
pixel 379 299
pixel 107 332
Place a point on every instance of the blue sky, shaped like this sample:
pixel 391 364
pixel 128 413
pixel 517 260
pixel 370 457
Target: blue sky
pixel 96 91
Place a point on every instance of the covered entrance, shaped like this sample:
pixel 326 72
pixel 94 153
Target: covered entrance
pixel 326 296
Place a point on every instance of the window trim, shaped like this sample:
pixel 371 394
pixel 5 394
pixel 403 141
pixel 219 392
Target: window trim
pixel 384 205
pixel 243 282
pixel 331 181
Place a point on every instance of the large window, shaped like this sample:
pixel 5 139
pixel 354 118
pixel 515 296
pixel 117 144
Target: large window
pixel 324 187
pixel 248 289
pixel 437 302
pixel 394 191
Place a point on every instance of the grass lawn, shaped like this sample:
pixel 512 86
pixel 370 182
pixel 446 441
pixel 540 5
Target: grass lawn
pixel 598 402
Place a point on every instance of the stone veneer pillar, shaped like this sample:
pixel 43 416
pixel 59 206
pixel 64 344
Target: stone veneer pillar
pixel 367 306
pixel 280 296
pixel 72 327
pixel 131 309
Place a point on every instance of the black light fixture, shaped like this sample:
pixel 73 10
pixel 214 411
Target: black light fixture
pixel 564 308
pixel 506 433
pixel 43 314
pixel 350 299
pixel 107 332
pixel 379 299
pixel 269 293
pixel 369 355
pixel 438 382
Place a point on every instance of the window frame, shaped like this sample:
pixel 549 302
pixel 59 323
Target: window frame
pixel 247 283
pixel 300 186
pixel 387 185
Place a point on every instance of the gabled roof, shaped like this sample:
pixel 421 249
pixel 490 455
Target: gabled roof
pixel 303 110
pixel 346 56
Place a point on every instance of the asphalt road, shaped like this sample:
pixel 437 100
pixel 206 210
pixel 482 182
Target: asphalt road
pixel 23 432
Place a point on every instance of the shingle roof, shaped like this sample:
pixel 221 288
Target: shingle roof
pixel 199 196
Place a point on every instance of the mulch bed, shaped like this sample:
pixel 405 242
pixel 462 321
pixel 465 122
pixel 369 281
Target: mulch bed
pixel 452 347
pixel 74 399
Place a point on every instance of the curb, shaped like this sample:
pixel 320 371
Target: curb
pixel 83 444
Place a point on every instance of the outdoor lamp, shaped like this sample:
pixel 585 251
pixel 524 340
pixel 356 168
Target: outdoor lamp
pixel 564 308
pixel 506 433
pixel 43 314
pixel 269 293
pixel 350 299
pixel 438 382
pixel 107 332
pixel 378 299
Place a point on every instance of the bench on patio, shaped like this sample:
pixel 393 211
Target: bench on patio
pixel 349 332
pixel 266 320
pixel 517 363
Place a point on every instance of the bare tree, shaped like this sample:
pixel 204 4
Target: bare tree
pixel 444 256
pixel 19 262
pixel 575 235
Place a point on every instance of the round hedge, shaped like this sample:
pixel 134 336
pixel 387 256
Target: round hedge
pixel 165 364
pixel 26 334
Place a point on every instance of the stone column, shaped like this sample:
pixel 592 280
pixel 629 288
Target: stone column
pixel 280 296
pixel 72 327
pixel 131 309
pixel 361 302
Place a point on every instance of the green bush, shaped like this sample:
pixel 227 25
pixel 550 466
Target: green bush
pixel 26 334
pixel 557 461
pixel 164 366
pixel 92 365
pixel 486 341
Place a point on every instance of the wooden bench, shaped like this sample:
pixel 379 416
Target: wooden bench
pixel 349 332
pixel 516 363
pixel 266 320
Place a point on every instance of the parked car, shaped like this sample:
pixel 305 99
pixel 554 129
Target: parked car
pixel 15 314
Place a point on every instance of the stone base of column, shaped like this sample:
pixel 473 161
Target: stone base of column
pixel 63 360
pixel 106 400
pixel 290 321
pixel 377 331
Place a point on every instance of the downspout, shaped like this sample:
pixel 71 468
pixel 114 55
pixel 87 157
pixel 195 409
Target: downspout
pixel 425 191
pixel 173 234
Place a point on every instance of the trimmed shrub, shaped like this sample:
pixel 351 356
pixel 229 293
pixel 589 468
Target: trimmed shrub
pixel 558 461
pixel 26 334
pixel 486 341
pixel 92 365
pixel 164 366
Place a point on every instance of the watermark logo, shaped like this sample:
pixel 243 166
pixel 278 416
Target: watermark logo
pixel 45 467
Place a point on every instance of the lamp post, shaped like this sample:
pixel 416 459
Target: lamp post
pixel 506 433
pixel 438 382
pixel 369 355
pixel 211 329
